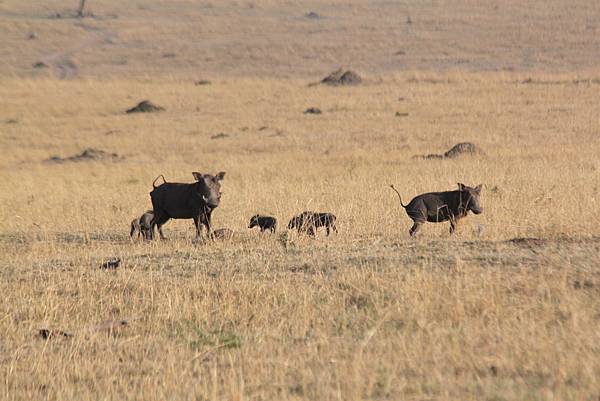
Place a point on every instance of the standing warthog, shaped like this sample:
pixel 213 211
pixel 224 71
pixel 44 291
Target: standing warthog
pixel 174 200
pixel 264 222
pixel 436 207
pixel 142 225
pixel 308 222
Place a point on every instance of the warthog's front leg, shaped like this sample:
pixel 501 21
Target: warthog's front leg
pixel 204 220
pixel 207 223
pixel 453 223
pixel 197 225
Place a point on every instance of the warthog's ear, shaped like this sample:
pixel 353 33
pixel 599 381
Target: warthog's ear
pixel 461 186
pixel 478 189
pixel 220 175
pixel 197 176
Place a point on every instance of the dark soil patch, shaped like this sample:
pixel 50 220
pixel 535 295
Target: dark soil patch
pixel 223 234
pixel 399 114
pixel 145 106
pixel 46 334
pixel 431 157
pixel 69 15
pixel 312 15
pixel 304 268
pixel 111 264
pixel 341 77
pixel 89 154
pixel 312 110
pixel 202 82
pixel 40 64
pixel 585 284
pixel 463 148
pixel 528 241
pixel 220 135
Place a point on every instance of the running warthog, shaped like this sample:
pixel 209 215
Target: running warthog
pixel 436 207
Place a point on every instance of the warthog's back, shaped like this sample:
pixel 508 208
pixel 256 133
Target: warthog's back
pixel 177 200
pixel 433 206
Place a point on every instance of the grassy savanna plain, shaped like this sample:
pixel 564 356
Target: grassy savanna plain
pixel 366 314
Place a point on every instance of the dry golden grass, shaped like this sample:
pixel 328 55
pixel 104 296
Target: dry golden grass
pixel 366 314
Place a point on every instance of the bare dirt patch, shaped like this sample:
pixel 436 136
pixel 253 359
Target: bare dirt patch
pixel 89 154
pixel 223 234
pixel 312 15
pixel 145 106
pixel 528 242
pixel 342 78
pixel 312 110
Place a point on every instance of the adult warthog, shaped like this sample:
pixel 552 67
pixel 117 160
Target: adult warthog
pixel 436 207
pixel 174 200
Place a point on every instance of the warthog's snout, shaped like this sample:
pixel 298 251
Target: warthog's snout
pixel 212 201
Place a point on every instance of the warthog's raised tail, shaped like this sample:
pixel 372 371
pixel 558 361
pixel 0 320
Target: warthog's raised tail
pixel 154 182
pixel 399 197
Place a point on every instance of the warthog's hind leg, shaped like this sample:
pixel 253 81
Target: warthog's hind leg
pixel 159 221
pixel 453 223
pixel 413 230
